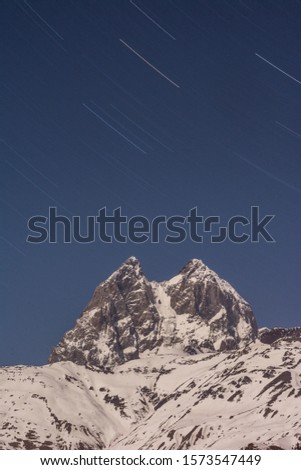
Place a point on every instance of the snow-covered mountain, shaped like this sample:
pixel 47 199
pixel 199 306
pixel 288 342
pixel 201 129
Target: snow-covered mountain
pixel 172 365
pixel 195 311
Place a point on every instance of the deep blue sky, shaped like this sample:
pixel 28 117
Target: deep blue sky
pixel 57 55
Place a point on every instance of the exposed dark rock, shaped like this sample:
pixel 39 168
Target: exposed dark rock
pixel 271 335
pixel 125 317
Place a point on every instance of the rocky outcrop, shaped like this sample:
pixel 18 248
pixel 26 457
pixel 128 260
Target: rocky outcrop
pixel 120 321
pixel 207 299
pixel 271 335
pixel 129 315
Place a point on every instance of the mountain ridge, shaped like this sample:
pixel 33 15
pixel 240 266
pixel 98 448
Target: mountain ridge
pixel 178 364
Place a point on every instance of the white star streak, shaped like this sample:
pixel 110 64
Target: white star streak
pixel 37 187
pixel 44 21
pixel 152 20
pixel 288 129
pixel 12 245
pixel 113 128
pixel 277 68
pixel 40 26
pixel 268 173
pixel 119 124
pixel 149 64
pixel 141 128
pixel 13 208
pixel 116 163
pixel 28 163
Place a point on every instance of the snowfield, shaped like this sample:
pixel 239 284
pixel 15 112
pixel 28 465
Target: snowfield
pixel 247 398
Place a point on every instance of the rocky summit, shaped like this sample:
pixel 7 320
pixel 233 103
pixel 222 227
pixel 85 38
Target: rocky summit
pixel 178 364
pixel 128 315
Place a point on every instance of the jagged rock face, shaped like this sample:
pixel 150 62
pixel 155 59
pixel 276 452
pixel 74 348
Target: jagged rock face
pixel 211 301
pixel 120 321
pixel 271 335
pixel 128 315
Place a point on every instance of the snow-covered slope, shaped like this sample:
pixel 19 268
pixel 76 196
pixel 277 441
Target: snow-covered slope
pixel 220 400
pixel 172 365
pixel 250 398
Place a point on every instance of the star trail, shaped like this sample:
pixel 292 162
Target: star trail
pixel 277 68
pixel 149 64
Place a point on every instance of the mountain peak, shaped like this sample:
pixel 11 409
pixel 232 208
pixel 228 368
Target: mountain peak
pixel 131 267
pixel 129 315
pixel 192 266
pixel 133 261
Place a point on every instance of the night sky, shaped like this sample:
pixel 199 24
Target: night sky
pixel 155 106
